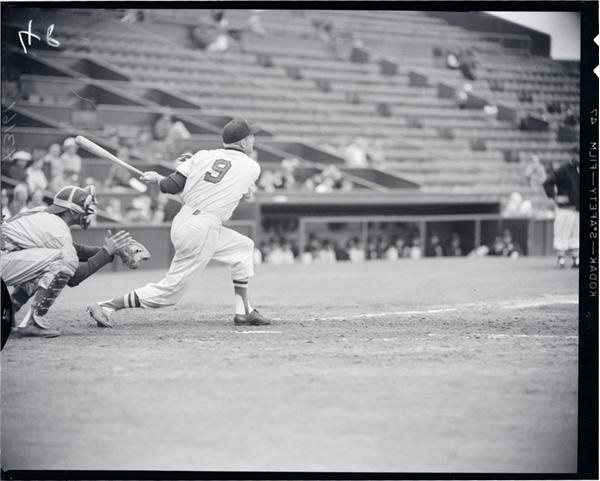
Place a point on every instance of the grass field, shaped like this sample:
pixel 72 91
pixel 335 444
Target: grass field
pixel 438 365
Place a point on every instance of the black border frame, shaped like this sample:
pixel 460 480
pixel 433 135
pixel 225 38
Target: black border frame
pixel 587 458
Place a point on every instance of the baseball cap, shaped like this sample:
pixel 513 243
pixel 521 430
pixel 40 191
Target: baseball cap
pixel 22 155
pixel 73 198
pixel 238 129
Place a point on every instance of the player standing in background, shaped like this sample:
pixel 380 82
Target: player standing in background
pixel 211 184
pixel 39 257
pixel 562 186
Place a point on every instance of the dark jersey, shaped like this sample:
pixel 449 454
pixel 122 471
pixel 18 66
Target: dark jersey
pixel 564 182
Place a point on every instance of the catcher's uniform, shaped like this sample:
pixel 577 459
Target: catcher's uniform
pixel 216 180
pixel 36 244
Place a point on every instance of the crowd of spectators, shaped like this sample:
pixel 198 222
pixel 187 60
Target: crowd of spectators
pixel 39 172
pixel 289 177
pixel 358 152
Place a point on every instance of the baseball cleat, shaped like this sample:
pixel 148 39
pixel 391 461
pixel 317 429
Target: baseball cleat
pixel 253 318
pixel 561 262
pixel 99 314
pixel 34 330
pixel 575 264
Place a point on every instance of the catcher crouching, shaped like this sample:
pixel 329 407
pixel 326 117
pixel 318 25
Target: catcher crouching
pixel 39 257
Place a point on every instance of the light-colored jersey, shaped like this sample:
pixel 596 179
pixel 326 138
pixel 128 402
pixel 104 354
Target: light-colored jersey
pixel 36 228
pixel 217 180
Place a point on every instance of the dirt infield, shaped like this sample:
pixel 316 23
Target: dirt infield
pixel 462 365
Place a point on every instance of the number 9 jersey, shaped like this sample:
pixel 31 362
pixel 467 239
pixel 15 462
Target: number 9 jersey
pixel 216 180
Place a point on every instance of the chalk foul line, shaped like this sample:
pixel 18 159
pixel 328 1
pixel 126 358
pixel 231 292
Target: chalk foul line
pixel 513 304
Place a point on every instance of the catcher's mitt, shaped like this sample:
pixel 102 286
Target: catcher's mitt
pixel 133 254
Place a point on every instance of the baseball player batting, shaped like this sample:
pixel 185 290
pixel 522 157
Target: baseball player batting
pixel 39 257
pixel 211 184
pixel 563 187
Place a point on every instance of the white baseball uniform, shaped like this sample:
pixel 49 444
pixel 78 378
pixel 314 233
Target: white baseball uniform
pixel 566 229
pixel 216 180
pixel 36 243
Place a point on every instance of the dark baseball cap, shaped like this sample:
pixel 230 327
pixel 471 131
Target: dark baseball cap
pixel 238 129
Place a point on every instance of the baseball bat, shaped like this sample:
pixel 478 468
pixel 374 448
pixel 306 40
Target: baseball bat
pixel 95 149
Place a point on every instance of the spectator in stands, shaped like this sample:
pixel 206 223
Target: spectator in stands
pixel 497 248
pixel 37 199
pixel 55 168
pixel 326 254
pixel 392 253
pixel 140 210
pixel 167 131
pixel 17 167
pixel 376 153
pixel 36 179
pixel 372 250
pixel 535 172
pixel 255 24
pixel 452 59
pixel 132 15
pixel 356 250
pixel 288 167
pixel 517 206
pixel 19 200
pixel 113 208
pixel 219 17
pixel 71 161
pixel 468 64
pixel 280 253
pixel 455 245
pixel 434 246
pixel 267 181
pixel 415 250
pixel 5 201
pixel 570 120
pixel 462 95
pixel 511 249
pixel 355 153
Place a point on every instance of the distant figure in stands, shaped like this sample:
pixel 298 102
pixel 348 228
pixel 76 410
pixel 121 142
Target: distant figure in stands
pixel 535 172
pixel 19 200
pixel 36 199
pixel 562 186
pixel 376 154
pixel 570 120
pixel 71 161
pixel 255 23
pixel 36 179
pixel 55 168
pixel 434 247
pixel 468 64
pixel 355 153
pixel 510 247
pixel 455 245
pixel 168 131
pixel 17 167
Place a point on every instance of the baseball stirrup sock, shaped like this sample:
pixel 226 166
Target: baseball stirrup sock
pixel 128 301
pixel 240 290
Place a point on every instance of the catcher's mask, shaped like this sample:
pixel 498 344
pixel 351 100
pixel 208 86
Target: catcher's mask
pixel 78 200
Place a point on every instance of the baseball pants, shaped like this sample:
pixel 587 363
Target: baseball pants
pixel 19 267
pixel 566 230
pixel 197 239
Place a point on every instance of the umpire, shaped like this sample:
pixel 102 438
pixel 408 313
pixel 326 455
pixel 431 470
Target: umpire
pixel 562 186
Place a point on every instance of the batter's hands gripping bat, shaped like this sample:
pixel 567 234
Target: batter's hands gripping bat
pixel 95 149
